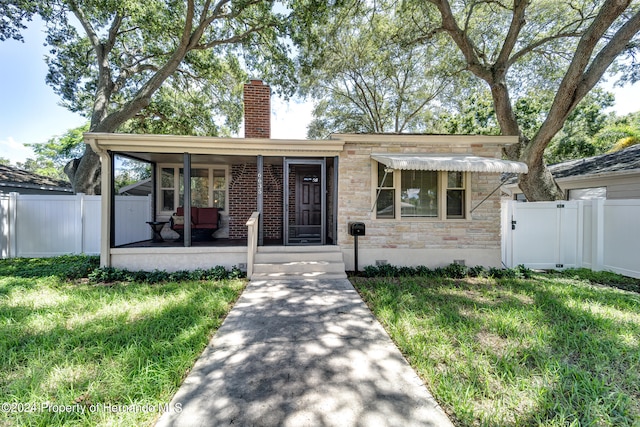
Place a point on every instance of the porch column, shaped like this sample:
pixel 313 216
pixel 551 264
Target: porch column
pixel 187 199
pixel 259 198
pixel 106 227
pixel 334 188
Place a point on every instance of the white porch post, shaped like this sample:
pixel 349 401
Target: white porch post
pixel 107 209
pixel 187 199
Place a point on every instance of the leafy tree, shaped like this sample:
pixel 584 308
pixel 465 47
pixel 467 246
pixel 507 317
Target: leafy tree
pixel 619 133
pixel 129 172
pixel 52 156
pixel 5 161
pixel 577 139
pixel 519 46
pixel 364 77
pixel 153 65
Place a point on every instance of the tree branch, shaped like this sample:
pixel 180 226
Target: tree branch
pixel 461 39
pixel 517 22
pixel 576 82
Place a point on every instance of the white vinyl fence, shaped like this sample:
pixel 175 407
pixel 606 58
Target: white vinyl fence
pixel 595 234
pixel 44 225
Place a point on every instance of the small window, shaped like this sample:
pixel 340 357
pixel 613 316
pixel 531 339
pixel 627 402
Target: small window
pixel 167 192
pixel 385 206
pixel 455 195
pixel 588 193
pixel 219 188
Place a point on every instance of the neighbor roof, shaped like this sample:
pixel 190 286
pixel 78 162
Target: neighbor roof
pixel 18 178
pixel 620 161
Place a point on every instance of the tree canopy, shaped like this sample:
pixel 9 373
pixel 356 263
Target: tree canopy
pixel 524 45
pixel 156 66
pixel 365 77
pixel 537 61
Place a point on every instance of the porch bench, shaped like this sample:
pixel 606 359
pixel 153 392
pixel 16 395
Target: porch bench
pixel 204 221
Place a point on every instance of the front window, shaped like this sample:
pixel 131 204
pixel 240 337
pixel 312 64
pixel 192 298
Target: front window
pixel 208 187
pixel 422 194
pixel 419 194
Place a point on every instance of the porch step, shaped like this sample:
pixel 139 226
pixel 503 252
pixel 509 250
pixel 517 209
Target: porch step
pixel 288 262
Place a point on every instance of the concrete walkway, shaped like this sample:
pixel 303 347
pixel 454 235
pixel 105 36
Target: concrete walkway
pixel 302 353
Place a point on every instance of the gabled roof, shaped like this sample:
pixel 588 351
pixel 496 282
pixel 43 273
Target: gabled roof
pixel 18 178
pixel 620 161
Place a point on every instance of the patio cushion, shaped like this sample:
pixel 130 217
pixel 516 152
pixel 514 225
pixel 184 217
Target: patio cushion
pixel 201 218
pixel 207 218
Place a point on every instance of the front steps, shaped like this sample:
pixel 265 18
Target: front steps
pixel 298 262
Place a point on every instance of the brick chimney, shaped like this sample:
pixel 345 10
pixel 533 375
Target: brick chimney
pixel 257 110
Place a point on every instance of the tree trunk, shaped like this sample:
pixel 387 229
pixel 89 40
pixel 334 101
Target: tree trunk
pixel 538 184
pixel 84 173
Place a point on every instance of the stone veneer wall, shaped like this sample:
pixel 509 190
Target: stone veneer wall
pixel 446 239
pixel 242 200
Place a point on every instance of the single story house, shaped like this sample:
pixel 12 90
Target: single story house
pixel 14 180
pixel 606 176
pixel 423 199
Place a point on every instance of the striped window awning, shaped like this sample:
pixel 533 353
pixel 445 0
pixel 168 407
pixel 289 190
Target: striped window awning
pixel 449 162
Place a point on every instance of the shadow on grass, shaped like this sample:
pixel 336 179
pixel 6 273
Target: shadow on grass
pixel 119 345
pixel 517 352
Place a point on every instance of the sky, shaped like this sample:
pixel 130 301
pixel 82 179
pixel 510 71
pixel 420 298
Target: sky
pixel 30 111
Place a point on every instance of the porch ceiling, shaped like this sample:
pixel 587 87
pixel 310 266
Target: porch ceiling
pixel 171 147
pixel 210 159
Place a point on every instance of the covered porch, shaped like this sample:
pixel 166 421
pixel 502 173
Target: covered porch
pixel 290 184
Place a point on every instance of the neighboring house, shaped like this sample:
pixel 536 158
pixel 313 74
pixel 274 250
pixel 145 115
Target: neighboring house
pixel 14 180
pixel 424 199
pixel 607 176
pixel 140 188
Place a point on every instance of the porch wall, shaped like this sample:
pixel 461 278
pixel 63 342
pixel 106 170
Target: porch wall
pixel 178 258
pixel 243 190
pixel 417 241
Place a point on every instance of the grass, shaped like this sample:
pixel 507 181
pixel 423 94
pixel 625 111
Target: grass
pixel 554 350
pixel 126 346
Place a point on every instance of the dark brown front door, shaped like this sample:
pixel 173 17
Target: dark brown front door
pixel 305 205
pixel 308 201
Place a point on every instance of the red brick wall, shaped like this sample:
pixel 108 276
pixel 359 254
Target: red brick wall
pixel 272 202
pixel 257 110
pixel 243 191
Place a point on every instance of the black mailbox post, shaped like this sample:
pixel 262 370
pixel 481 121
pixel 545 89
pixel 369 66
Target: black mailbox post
pixel 356 229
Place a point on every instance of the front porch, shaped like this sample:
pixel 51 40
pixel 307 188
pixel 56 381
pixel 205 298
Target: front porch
pixel 292 185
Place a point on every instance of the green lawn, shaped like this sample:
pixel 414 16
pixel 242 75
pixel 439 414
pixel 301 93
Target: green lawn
pixel 103 347
pixel 553 350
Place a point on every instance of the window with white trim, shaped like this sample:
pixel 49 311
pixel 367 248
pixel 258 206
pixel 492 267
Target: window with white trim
pixel 423 194
pixel 208 187
pixel 385 206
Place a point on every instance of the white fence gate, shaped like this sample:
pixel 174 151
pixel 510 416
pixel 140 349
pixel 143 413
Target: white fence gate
pixel 48 225
pixel 597 234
